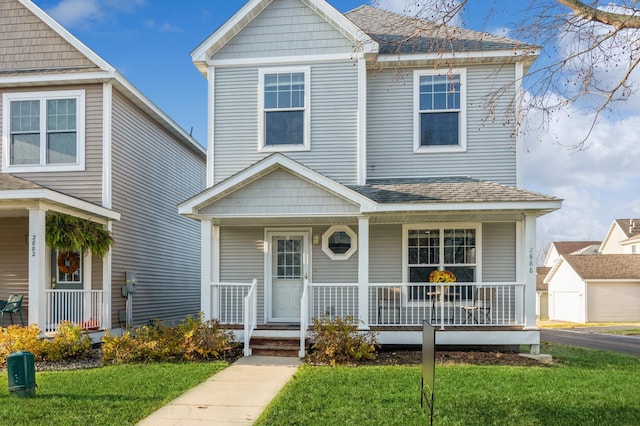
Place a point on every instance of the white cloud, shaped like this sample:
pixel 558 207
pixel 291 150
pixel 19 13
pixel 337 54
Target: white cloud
pixel 84 13
pixel 433 10
pixel 163 28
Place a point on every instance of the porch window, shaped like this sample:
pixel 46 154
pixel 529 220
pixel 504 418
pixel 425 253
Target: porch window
pixel 45 131
pixel 284 110
pixel 440 111
pixel 339 242
pixel 446 248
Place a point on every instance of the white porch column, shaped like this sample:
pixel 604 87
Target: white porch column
pixel 363 272
pixel 106 285
pixel 530 276
pixel 206 246
pixel 38 276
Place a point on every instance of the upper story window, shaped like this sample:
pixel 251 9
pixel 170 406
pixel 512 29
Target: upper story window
pixel 440 111
pixel 43 131
pixel 284 109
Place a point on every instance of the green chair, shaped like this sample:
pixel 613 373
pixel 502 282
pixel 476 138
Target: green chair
pixel 13 305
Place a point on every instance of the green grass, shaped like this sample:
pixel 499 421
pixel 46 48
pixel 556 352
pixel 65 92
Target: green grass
pixel 113 395
pixel 583 387
pixel 623 332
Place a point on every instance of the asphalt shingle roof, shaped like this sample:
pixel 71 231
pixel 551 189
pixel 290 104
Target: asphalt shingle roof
pixel 541 273
pixel 444 190
pixel 396 33
pixel 568 247
pixel 10 182
pixel 630 227
pixel 605 266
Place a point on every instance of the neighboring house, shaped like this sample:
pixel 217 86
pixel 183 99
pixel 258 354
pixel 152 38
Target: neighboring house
pixel 346 165
pixel 622 237
pixel 596 282
pixel 542 293
pixel 557 249
pixel 79 139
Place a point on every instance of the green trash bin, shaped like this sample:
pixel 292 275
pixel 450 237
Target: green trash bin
pixel 22 374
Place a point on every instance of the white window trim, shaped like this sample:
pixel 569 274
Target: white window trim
pixel 462 143
pixel 441 226
pixel 306 145
pixel 339 228
pixel 79 165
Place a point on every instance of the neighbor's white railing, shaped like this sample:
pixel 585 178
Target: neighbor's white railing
pixel 82 307
pixel 447 304
pixel 250 315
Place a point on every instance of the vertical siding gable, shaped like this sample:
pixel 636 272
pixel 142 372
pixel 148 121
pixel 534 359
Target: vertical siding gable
pixel 490 155
pixel 152 174
pixel 87 184
pixel 28 43
pixel 280 192
pixel 286 28
pixel 334 119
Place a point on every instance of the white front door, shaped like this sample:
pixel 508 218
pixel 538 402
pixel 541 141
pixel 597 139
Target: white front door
pixel 287 261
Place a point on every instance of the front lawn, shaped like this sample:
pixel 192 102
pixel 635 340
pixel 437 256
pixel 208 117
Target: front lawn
pixel 112 395
pixel 583 387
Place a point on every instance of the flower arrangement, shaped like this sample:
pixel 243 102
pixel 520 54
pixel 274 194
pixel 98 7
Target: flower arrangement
pixel 438 276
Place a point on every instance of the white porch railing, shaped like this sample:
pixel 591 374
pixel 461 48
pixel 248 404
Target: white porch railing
pixel 250 315
pixel 227 302
pixel 447 304
pixel 82 307
pixel 304 319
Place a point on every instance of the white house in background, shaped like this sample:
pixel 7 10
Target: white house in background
pixel 601 286
pixel 79 139
pixel 350 157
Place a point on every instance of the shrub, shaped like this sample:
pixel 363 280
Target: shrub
pixel 338 341
pixel 16 338
pixel 192 339
pixel 69 343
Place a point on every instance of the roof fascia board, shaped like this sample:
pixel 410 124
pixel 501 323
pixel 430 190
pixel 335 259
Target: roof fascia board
pixel 88 77
pixel 304 59
pixel 265 166
pixel 252 9
pixel 516 54
pixel 506 205
pixel 554 269
pixel 616 280
pixel 70 38
pixel 614 224
pixel 49 196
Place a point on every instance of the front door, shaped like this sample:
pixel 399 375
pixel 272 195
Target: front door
pixel 67 270
pixel 288 260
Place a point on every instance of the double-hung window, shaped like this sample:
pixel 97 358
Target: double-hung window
pixel 44 131
pixel 431 247
pixel 440 111
pixel 284 109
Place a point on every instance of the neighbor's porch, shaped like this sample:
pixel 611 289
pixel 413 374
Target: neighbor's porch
pixel 28 267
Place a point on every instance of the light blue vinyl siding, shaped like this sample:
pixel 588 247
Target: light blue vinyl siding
pixel 326 270
pixel 491 151
pixel 334 118
pixel 152 174
pixel 385 254
pixel 499 252
pixel 286 28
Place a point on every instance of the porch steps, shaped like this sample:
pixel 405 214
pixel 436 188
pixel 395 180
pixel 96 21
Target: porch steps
pixel 275 346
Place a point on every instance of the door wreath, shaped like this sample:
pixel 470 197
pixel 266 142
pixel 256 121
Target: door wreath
pixel 68 262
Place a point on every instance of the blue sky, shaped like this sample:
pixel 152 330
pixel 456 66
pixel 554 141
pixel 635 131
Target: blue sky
pixel 149 42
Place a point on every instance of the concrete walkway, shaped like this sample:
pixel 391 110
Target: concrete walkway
pixel 235 396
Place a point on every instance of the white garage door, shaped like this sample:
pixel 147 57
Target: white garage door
pixel 613 302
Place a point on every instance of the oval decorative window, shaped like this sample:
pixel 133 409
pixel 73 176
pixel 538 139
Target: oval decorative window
pixel 339 242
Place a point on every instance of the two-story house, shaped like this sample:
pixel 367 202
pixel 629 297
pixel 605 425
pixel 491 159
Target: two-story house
pixel 350 156
pixel 79 139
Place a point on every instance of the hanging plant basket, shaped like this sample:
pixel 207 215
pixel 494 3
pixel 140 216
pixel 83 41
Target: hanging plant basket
pixel 69 234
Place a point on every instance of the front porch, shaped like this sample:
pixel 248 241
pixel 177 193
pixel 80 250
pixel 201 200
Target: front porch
pixel 465 313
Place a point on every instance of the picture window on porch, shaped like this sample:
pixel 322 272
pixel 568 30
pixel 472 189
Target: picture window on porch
pixel 430 248
pixel 45 131
pixel 339 242
pixel 284 109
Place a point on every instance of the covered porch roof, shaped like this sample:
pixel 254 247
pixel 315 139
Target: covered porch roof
pixel 18 195
pixel 456 198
